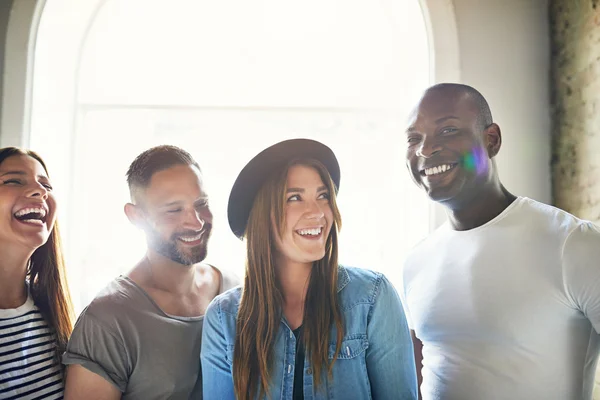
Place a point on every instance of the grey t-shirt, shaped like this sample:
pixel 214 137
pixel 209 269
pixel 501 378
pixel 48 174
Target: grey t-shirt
pixel 127 339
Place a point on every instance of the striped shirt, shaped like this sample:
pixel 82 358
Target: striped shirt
pixel 28 369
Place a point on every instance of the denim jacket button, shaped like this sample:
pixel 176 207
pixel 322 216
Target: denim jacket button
pixel 309 371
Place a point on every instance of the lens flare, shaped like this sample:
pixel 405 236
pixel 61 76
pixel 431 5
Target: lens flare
pixel 475 161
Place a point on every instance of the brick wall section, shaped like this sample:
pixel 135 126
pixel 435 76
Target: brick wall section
pixel 575 88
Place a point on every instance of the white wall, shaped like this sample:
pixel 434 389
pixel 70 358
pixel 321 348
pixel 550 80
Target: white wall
pixel 502 48
pixel 17 69
pixel 505 53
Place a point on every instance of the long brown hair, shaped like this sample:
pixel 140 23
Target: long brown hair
pixel 260 310
pixel 46 274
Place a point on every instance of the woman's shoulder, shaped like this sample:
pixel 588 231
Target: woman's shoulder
pixel 358 277
pixel 359 274
pixel 227 302
pixel 359 284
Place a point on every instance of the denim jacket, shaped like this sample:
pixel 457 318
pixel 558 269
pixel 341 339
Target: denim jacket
pixel 376 359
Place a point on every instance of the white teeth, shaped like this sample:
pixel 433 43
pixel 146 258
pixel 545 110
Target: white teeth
pixel 438 170
pixel 34 221
pixel 313 232
pixel 24 211
pixel 191 239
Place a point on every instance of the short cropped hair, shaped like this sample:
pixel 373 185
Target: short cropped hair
pixel 484 114
pixel 153 160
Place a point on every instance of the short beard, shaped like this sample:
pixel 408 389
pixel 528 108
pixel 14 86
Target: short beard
pixel 170 250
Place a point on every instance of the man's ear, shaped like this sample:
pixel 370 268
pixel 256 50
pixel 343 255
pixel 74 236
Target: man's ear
pixel 135 215
pixel 493 140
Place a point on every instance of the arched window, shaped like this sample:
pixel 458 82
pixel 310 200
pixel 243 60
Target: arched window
pixel 224 80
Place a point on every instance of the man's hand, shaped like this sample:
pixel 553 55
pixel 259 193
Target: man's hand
pixel 418 349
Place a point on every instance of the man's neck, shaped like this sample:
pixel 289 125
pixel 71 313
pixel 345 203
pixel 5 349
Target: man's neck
pixel 481 209
pixel 161 273
pixel 13 270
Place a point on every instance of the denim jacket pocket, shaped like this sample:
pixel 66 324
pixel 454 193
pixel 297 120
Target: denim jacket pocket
pixel 350 348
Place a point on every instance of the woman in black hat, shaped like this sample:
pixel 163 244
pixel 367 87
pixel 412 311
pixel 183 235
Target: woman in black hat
pixel 302 326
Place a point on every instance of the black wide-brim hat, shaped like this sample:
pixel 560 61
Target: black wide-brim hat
pixel 263 165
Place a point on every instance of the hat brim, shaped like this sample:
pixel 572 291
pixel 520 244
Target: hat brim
pixel 258 170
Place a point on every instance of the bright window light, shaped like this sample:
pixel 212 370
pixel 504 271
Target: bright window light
pixel 224 80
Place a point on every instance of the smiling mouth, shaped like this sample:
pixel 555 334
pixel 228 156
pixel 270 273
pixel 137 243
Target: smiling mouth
pixel 437 170
pixel 32 215
pixel 191 239
pixel 310 232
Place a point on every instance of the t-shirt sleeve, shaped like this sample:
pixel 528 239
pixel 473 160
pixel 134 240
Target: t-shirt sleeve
pixel 95 347
pixel 406 311
pixel 402 294
pixel 581 271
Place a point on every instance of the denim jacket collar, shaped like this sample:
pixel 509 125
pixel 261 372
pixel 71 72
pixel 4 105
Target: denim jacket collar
pixel 343 278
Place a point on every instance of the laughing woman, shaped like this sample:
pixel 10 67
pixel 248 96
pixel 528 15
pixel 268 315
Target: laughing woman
pixel 302 326
pixel 35 308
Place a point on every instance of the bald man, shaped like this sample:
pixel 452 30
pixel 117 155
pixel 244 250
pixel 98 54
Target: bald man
pixel 503 300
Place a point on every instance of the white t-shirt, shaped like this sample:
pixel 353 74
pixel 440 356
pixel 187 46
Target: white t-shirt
pixel 508 310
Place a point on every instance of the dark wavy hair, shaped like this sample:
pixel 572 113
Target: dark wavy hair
pixel 46 274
